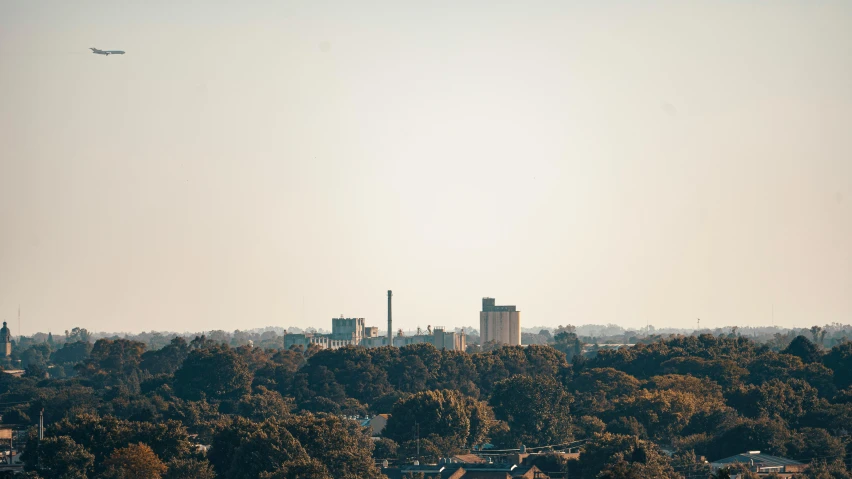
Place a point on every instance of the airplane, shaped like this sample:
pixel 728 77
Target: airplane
pixel 106 52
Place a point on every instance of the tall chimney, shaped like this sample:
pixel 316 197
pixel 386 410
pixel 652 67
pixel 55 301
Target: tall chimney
pixel 390 320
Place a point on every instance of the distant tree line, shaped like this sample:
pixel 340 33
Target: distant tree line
pixel 119 408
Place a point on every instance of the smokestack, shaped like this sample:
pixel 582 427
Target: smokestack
pixel 390 320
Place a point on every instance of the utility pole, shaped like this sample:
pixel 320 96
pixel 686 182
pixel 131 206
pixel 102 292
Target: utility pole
pixel 417 428
pixel 698 328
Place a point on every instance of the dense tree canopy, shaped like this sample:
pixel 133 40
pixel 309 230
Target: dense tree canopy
pixel 277 413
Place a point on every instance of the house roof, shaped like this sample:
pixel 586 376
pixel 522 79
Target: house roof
pixel 764 460
pixel 467 459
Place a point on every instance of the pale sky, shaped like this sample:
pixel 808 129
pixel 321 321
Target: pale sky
pixel 251 164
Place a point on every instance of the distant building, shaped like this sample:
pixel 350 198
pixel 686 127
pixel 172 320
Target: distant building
pixel 6 340
pixel 354 332
pixel 322 340
pixel 351 329
pixel 761 463
pixel 450 341
pixel 499 323
pixel 450 470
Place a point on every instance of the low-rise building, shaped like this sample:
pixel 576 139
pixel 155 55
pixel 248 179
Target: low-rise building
pixel 324 341
pixel 761 463
pixel 465 471
pixel 353 332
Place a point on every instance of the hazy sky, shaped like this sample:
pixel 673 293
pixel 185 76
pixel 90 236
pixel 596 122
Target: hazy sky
pixel 252 164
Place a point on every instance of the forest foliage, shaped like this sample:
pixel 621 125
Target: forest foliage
pixel 120 409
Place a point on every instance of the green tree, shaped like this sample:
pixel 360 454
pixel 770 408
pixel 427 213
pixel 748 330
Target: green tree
pixel 665 412
pixel 410 374
pixel 615 456
pixel 242 449
pixel 689 465
pixel 166 360
pixel 71 353
pixel 805 350
pixel 831 469
pixel 442 416
pixel 810 443
pixel 482 421
pixel 568 343
pixel 385 448
pixel 59 458
pixel 77 334
pixel 770 436
pixel 537 410
pixel 101 435
pixel 36 355
pixel 299 468
pixel 264 404
pixel 112 362
pixel 189 468
pixel 839 360
pixel 342 446
pixel 587 426
pixel 490 370
pixel 544 360
pixel 216 373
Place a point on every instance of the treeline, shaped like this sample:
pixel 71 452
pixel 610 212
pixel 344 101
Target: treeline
pixel 283 413
pixel 775 338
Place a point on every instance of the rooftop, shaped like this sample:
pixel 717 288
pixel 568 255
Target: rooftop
pixel 446 470
pixel 764 460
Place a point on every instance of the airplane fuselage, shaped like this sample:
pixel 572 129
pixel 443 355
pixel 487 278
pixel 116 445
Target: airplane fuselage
pixel 106 52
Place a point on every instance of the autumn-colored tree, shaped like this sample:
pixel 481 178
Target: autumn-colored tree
pixel 136 461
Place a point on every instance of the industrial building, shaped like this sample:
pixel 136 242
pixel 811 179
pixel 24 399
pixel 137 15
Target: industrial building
pixel 499 323
pixel 354 332
pixel 351 329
